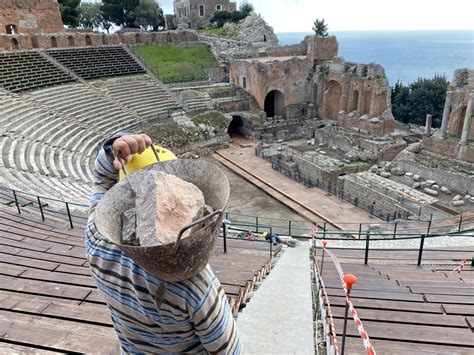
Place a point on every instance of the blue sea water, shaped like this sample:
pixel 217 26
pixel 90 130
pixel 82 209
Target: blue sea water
pixel 405 55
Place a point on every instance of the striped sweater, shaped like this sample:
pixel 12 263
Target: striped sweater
pixel 151 315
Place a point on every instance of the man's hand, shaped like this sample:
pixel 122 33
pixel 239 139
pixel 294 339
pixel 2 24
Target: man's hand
pixel 124 147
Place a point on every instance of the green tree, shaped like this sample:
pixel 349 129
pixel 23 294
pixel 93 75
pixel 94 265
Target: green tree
pixel 221 17
pixel 148 14
pixel 70 12
pixel 411 103
pixel 320 28
pixel 246 7
pixel 120 12
pixel 90 15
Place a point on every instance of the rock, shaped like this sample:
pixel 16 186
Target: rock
pixel 347 161
pixel 165 204
pixel 321 144
pixel 423 184
pixel 430 182
pixel 373 227
pixel 457 198
pixel 398 171
pixel 416 177
pixel 388 166
pixel 364 117
pixel 471 200
pixel 374 120
pixel 385 174
pixel 415 148
pixel 467 197
pixel 129 226
pixel 409 175
pixel 416 185
pixel 322 152
pixel 435 187
pixel 445 190
pixel 458 203
pixel 431 191
pixel 255 30
pixel 374 169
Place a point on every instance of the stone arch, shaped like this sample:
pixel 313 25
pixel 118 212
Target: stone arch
pixel 70 41
pixel 54 42
pixel 274 103
pixel 138 38
pixel 88 41
pixel 355 101
pixel 460 125
pixel 11 29
pixel 15 43
pixel 367 99
pixel 315 93
pixel 332 99
pixel 236 126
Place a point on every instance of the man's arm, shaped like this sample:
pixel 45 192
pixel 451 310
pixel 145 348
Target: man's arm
pixel 214 324
pixel 107 165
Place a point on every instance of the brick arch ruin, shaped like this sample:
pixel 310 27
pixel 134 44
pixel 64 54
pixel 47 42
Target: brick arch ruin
pixel 355 101
pixel 332 98
pixel 274 103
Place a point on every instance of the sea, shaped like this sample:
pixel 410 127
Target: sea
pixel 405 55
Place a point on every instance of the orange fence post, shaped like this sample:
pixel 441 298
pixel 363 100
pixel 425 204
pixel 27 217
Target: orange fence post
pixel 349 281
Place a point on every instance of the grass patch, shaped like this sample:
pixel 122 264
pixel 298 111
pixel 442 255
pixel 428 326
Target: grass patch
pixel 215 119
pixel 177 62
pixel 219 32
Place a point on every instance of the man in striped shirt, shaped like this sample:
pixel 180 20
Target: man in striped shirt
pixel 151 315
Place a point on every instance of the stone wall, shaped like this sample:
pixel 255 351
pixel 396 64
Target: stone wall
pixel 376 126
pixel 30 16
pixel 81 39
pixel 460 87
pixel 449 148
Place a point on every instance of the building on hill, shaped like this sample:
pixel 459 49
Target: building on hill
pixel 29 17
pixel 197 13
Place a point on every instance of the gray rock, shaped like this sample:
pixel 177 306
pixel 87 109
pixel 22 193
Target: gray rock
pixel 457 198
pixel 416 177
pixel 385 174
pixel 430 182
pixel 409 175
pixel 364 117
pixel 471 200
pixel 398 171
pixel 431 191
pixel 435 187
pixel 467 197
pixel 415 148
pixel 374 120
pixel 416 185
pixel 445 190
pixel 458 203
pixel 129 225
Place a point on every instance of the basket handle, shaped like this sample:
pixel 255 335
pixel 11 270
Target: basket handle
pixel 195 223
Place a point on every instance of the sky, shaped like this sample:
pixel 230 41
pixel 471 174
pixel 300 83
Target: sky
pixel 344 15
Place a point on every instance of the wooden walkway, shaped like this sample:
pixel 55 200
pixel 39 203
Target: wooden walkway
pixel 313 204
pixel 48 300
pixel 405 308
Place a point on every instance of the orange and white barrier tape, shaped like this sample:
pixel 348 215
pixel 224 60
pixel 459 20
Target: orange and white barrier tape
pixel 461 267
pixel 360 327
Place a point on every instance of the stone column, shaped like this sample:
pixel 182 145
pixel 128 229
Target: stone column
pixel 428 124
pixel 447 108
pixel 466 130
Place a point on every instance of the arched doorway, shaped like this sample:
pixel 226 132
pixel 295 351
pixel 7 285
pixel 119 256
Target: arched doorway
pixel 461 121
pixel 70 41
pixel 138 39
pixel 366 108
pixel 15 43
pixel 236 126
pixel 274 103
pixel 355 101
pixel 88 41
pixel 315 93
pixel 332 98
pixel 54 42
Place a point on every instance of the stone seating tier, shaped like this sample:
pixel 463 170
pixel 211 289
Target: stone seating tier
pixel 97 62
pixel 20 71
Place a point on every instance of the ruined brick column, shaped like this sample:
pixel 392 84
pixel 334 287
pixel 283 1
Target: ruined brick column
pixel 428 124
pixel 466 130
pixel 447 107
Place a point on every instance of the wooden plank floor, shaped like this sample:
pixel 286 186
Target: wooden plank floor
pixel 48 300
pixel 406 308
